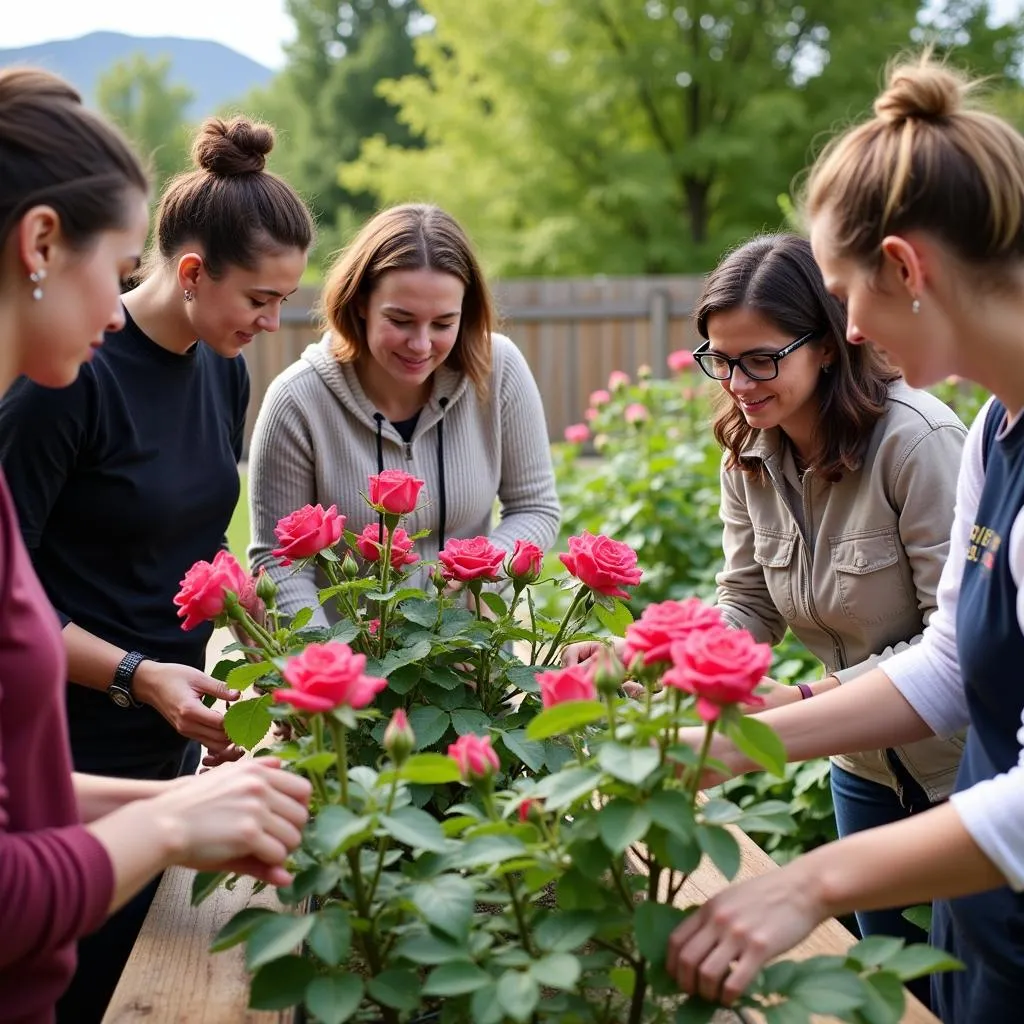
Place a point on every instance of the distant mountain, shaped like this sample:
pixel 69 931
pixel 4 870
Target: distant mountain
pixel 215 73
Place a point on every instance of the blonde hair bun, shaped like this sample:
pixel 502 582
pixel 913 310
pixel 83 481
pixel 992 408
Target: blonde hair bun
pixel 923 91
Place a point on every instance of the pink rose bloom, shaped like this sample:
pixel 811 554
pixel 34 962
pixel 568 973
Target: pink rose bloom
pixel 561 685
pixel 525 562
pixel 473 559
pixel 530 808
pixel 636 413
pixel 719 666
pixel 399 739
pixel 372 626
pixel 617 379
pixel 202 594
pixel 307 532
pixel 327 676
pixel 577 433
pixel 475 756
pixel 394 491
pixel 653 634
pixel 599 398
pixel 681 360
pixel 603 564
pixel 591 414
pixel 371 547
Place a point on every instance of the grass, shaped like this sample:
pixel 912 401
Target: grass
pixel 238 530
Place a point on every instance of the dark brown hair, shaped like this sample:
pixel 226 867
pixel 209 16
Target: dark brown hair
pixel 411 237
pixel 55 152
pixel 925 161
pixel 776 277
pixel 229 204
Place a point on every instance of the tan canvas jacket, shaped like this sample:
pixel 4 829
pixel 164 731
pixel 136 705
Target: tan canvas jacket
pixel 851 567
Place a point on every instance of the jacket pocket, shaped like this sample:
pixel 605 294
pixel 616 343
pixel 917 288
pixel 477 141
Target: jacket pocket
pixel 869 578
pixel 774 553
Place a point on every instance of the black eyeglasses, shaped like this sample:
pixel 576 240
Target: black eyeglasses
pixel 756 365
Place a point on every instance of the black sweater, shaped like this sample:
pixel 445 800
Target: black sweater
pixel 122 481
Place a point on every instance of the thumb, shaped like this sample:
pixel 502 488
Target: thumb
pixel 214 687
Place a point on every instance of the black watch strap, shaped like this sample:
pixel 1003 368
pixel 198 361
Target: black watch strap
pixel 120 689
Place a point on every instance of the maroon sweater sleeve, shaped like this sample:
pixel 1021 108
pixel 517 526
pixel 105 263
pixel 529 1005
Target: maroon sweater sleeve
pixel 56 880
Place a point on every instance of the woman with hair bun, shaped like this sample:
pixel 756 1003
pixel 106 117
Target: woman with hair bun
pixel 129 476
pixel 74 847
pixel 917 223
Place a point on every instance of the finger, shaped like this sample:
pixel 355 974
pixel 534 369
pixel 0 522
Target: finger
pixel 714 969
pixel 633 689
pixel 214 687
pixel 677 942
pixel 697 946
pixel 272 874
pixel 213 739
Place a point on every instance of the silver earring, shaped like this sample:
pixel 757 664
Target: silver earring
pixel 188 296
pixel 915 307
pixel 37 277
pixel 826 367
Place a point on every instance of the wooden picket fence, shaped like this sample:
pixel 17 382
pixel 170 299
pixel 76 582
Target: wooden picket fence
pixel 573 332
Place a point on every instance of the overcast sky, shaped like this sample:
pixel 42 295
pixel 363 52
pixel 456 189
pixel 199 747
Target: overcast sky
pixel 256 28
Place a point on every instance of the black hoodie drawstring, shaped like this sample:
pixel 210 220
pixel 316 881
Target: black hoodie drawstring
pixel 379 417
pixel 441 504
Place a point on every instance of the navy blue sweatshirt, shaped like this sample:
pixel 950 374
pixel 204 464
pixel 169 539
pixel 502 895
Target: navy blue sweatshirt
pixel 121 482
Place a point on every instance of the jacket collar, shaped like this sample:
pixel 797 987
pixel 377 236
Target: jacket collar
pixel 767 445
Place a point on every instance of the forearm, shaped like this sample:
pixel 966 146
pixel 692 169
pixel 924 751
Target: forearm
pixel 98 795
pixel 868 713
pixel 924 857
pixel 140 842
pixel 91 661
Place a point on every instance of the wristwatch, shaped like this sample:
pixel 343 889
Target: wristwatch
pixel 120 688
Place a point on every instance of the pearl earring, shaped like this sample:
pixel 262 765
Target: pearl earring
pixel 37 277
pixel 915 307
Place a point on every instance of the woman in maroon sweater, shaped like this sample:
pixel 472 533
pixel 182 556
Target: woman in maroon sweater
pixel 73 848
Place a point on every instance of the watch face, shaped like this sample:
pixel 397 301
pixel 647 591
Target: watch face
pixel 120 696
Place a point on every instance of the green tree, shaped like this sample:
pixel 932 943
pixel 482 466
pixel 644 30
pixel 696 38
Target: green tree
pixel 623 137
pixel 325 101
pixel 137 95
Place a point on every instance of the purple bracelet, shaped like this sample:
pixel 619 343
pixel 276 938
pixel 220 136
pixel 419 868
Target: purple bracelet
pixel 805 691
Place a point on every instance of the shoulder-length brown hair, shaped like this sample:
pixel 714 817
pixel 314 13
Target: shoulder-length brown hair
pixel 776 277
pixel 411 237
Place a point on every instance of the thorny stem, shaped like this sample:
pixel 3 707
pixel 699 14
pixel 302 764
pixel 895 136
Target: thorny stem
pixel 581 594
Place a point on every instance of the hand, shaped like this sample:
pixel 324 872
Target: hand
pixel 575 654
pixel 722 749
pixel 774 694
pixel 176 691
pixel 717 951
pixel 227 755
pixel 243 817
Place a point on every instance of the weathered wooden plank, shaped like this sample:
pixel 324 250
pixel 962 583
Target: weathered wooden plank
pixel 172 978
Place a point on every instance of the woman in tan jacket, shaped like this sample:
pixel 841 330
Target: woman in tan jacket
pixel 838 489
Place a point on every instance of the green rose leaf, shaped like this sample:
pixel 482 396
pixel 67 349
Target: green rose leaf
pixel 495 603
pixel 886 999
pixel 429 724
pixel 622 823
pixel 281 983
pixel 557 970
pixel 875 950
pixel 829 992
pixel 396 988
pixel 614 619
pixel 446 904
pixel 345 631
pixel 565 717
pixel 456 979
pixel 426 948
pixel 653 923
pixel 333 828
pixel 696 1011
pixel 331 935
pixel 518 994
pixel 565 931
pixel 246 722
pixel 525 677
pixel 486 850
pixel 419 611
pixel 400 656
pixel 917 960
pixel 206 883
pixel 275 937
pixel 528 751
pixel 789 1012
pixel 430 769
pixel 335 998
pixel 721 847
pixel 239 928
pixel 758 741
pixel 566 786
pixel 631 765
pixel 415 828
pixel 469 720
pixel 673 811
pixel 224 668
pixel 484 1007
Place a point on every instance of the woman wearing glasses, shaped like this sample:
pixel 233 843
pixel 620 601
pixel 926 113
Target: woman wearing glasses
pixel 838 487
